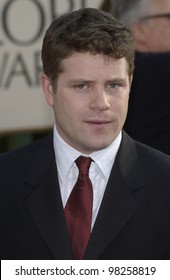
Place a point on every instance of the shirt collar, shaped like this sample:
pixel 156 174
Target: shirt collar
pixel 103 158
pixel 65 155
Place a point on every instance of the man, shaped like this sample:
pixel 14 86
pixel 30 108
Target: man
pixel 148 20
pixel 88 60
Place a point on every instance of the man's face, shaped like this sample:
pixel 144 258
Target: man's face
pixel 90 101
pixel 157 30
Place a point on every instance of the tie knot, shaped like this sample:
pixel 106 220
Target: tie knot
pixel 83 164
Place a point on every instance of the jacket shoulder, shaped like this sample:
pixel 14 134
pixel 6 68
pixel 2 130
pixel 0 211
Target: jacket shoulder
pixel 24 155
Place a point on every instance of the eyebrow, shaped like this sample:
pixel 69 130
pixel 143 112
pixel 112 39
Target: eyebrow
pixel 118 80
pixel 84 80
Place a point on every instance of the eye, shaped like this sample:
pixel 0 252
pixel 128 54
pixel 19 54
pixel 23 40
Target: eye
pixel 113 85
pixel 80 86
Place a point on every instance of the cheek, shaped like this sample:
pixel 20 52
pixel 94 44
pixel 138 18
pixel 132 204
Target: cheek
pixel 66 110
pixel 120 105
pixel 125 105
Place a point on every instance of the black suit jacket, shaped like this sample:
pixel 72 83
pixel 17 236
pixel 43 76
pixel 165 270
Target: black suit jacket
pixel 148 119
pixel 133 220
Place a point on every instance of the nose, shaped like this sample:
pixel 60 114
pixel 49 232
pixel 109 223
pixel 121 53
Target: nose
pixel 100 100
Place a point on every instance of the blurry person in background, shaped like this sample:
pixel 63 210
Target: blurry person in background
pixel 88 190
pixel 148 118
pixel 148 21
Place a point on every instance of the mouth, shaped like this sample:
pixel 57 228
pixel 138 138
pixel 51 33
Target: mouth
pixel 98 123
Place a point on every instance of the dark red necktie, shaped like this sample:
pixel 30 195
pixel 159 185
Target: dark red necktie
pixel 78 210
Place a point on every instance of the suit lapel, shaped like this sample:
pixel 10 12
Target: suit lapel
pixel 44 203
pixel 119 204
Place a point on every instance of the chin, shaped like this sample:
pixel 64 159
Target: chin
pixel 99 147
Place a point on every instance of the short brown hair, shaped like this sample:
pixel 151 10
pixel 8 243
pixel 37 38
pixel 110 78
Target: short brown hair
pixel 85 30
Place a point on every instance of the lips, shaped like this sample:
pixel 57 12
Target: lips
pixel 98 123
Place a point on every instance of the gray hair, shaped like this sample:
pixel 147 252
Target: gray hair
pixel 128 11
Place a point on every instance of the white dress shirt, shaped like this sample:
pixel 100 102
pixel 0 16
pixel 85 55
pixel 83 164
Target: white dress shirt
pixel 99 172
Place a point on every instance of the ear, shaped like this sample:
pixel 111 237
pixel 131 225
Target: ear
pixel 130 80
pixel 47 89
